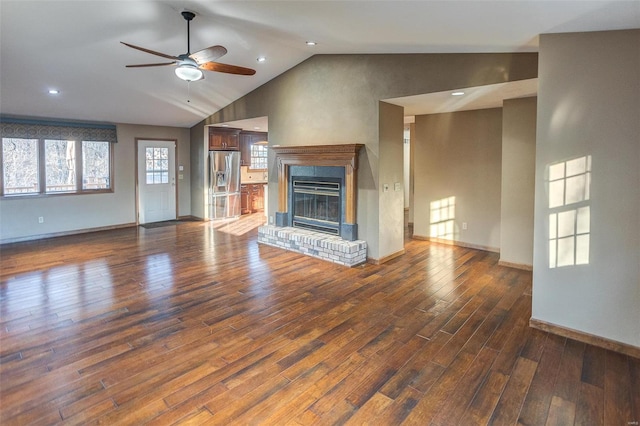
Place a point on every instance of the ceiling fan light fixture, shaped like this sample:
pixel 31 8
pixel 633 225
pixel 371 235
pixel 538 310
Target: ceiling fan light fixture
pixel 189 72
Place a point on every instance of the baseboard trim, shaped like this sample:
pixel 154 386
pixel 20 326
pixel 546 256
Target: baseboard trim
pixel 385 258
pixel 588 338
pixel 522 266
pixel 190 217
pixel 66 233
pixel 456 243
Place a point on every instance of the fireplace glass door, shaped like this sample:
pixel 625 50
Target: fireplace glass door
pixel 317 205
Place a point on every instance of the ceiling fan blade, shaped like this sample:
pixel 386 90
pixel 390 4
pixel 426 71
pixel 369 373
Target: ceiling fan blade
pixel 164 55
pixel 229 69
pixel 151 65
pixel 209 54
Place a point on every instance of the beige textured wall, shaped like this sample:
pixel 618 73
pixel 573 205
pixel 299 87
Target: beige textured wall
pixel 589 105
pixel 70 213
pixel 334 99
pixel 199 147
pixel 459 155
pixel 391 213
pixel 412 156
pixel 518 172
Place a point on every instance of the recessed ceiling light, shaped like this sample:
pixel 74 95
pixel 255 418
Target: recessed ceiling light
pixel 261 59
pixel 224 125
pixel 54 91
pixel 256 128
pixel 457 93
pixel 311 43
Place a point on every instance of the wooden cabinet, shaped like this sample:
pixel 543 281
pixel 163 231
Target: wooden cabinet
pixel 221 138
pixel 257 198
pixel 245 199
pixel 252 198
pixel 245 149
pixel 247 139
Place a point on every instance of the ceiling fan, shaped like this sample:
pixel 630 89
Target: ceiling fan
pixel 190 65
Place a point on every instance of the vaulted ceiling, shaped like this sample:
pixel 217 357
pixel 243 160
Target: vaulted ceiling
pixel 74 46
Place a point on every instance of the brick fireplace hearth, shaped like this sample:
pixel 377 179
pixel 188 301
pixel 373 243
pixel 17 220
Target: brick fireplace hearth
pixel 338 243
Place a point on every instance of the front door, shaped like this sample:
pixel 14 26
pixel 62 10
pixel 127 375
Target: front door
pixel 156 181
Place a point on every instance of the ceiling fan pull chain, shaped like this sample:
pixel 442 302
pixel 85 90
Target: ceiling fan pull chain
pixel 188 91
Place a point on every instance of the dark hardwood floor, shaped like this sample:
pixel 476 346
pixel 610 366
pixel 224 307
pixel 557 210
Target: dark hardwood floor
pixel 198 324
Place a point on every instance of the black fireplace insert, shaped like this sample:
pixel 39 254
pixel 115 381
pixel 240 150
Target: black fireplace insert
pixel 317 204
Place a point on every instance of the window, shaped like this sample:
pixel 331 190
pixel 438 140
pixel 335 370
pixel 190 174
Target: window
pixel 60 169
pixel 24 169
pixel 96 160
pixel 258 156
pixel 40 158
pixel 20 166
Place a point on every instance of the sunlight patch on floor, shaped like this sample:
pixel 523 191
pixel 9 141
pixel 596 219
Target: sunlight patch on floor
pixel 240 226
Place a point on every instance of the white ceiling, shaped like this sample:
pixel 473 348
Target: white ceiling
pixel 481 97
pixel 74 46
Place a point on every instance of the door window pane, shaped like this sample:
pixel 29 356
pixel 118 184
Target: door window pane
pixel 157 165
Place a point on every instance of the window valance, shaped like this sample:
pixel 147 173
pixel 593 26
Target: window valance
pixel 11 127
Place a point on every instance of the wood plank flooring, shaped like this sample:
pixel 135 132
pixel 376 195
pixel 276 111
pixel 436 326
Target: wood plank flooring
pixel 198 324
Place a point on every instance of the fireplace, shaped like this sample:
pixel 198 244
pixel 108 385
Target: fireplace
pixel 319 170
pixel 316 204
pixel 317 194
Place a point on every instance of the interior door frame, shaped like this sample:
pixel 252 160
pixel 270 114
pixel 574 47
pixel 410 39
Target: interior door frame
pixel 137 185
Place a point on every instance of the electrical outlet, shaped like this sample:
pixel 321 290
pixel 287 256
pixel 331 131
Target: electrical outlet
pixel 464 225
pixel 41 219
pixel 271 220
pixel 397 187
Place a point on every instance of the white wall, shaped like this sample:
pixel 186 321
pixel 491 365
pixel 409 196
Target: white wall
pixel 70 213
pixel 459 155
pixel 589 105
pixel 518 183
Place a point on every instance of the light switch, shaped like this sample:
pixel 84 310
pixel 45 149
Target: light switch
pixel 180 168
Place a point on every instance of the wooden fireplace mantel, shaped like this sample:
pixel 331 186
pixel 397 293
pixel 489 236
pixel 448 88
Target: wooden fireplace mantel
pixel 319 155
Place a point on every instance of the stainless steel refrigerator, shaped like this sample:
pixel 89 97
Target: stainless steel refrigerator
pixel 224 184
